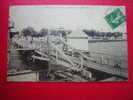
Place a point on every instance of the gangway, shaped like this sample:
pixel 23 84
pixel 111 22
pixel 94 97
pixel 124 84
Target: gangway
pixel 73 62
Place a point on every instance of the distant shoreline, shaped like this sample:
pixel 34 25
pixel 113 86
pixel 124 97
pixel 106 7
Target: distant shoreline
pixel 94 41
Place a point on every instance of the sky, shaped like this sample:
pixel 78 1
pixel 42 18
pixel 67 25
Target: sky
pixel 67 17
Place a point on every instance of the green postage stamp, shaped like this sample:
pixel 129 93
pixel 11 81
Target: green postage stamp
pixel 115 18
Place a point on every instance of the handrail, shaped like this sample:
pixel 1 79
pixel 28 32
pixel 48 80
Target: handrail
pixel 56 48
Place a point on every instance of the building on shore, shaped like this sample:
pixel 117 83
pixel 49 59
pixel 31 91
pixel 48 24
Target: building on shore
pixel 78 39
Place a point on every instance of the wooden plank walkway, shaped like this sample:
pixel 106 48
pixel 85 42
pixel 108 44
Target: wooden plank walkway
pixel 101 67
pixel 89 63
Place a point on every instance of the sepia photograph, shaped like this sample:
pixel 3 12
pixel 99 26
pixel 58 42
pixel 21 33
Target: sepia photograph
pixel 65 43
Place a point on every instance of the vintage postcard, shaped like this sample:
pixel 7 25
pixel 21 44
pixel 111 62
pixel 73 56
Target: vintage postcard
pixel 65 43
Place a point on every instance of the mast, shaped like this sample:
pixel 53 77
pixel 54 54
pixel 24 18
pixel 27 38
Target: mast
pixel 49 52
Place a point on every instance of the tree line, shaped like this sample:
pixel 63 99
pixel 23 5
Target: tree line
pixel 30 31
pixel 93 33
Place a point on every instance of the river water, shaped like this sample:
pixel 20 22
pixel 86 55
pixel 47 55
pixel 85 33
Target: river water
pixel 116 50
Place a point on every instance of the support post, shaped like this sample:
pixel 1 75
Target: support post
pixel 56 56
pixel 49 51
pixel 81 61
